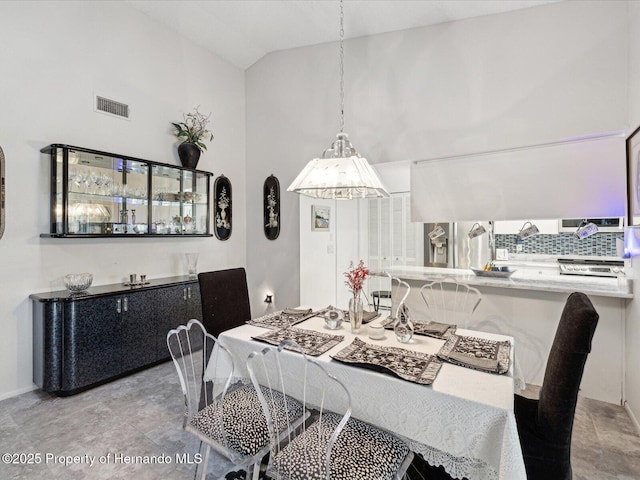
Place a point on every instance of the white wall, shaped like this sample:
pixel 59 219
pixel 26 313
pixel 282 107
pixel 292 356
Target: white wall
pixel 55 56
pixel 482 84
pixel 633 310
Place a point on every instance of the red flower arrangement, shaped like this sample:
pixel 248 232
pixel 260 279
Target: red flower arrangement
pixel 356 277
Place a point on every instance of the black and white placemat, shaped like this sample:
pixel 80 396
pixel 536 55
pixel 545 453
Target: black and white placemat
pixel 313 343
pixel 413 366
pixel 477 353
pixel 427 328
pixel 283 318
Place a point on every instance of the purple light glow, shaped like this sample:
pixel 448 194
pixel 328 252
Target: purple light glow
pixel 631 242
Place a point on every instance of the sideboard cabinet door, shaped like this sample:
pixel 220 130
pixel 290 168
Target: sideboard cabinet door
pixel 139 330
pixel 92 342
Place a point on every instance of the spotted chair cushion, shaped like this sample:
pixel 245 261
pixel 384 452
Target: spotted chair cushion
pixel 361 452
pixel 243 419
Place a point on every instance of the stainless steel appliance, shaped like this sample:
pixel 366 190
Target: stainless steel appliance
pixel 594 268
pixel 455 248
pixel 439 240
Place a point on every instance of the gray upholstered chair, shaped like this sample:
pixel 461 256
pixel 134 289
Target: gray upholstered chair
pixel 545 425
pixel 225 299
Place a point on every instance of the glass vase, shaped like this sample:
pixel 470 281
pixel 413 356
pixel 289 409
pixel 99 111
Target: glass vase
pixel 403 327
pixel 355 313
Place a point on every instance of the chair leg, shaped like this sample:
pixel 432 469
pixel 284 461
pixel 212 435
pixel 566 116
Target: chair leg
pixel 253 471
pixel 195 475
pixel 206 463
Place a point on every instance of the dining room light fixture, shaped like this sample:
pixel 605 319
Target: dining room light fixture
pixel 341 172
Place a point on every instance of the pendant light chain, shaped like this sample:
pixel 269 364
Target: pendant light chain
pixel 341 66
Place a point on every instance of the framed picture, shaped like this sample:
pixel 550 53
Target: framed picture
pixel 223 210
pixel 320 218
pixel 633 178
pixel 271 207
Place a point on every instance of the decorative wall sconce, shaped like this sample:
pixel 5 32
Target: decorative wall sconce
pixel 528 231
pixel 585 229
pixel 476 230
pixel 268 298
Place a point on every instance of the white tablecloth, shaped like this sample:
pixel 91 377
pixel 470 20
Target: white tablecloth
pixel 463 421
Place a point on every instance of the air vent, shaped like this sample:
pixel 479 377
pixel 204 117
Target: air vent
pixel 111 107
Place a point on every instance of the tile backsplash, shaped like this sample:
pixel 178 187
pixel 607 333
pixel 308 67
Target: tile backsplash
pixel 600 244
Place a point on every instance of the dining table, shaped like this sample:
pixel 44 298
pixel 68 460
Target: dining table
pixel 462 420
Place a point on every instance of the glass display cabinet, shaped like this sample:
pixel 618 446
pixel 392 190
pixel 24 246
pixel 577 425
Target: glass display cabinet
pixel 99 194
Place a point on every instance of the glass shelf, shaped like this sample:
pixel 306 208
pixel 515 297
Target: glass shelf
pixel 99 194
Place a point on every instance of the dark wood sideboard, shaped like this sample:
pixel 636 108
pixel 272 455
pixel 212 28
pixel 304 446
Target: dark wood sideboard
pixel 81 340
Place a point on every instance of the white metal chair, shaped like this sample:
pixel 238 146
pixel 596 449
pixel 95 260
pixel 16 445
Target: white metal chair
pixel 332 445
pixel 450 301
pixel 222 411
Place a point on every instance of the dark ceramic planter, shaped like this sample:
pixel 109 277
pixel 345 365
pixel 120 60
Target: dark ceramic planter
pixel 189 154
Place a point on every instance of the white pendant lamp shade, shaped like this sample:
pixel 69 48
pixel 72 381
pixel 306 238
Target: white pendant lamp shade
pixel 341 173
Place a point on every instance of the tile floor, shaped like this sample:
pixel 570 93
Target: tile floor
pixel 140 415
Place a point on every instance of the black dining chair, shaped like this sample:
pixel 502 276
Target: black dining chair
pixel 545 424
pixel 225 299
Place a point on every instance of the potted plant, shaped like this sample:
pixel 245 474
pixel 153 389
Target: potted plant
pixel 193 131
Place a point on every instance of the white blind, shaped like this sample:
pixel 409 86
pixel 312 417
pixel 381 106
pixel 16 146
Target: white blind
pixel 586 178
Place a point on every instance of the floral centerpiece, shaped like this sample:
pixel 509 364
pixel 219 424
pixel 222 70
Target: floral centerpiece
pixel 193 132
pixel 356 275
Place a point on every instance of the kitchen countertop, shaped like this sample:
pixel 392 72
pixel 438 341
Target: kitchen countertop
pixel 540 276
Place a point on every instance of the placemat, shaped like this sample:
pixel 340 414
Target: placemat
pixel 369 316
pixel 478 353
pixel 428 328
pixel 313 343
pixel 413 366
pixel 283 318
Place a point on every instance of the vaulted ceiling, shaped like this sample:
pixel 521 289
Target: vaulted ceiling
pixel 243 31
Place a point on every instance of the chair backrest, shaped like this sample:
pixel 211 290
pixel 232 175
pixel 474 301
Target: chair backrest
pixel 450 301
pixel 379 290
pixel 565 365
pixel 321 394
pixel 225 299
pixel 194 353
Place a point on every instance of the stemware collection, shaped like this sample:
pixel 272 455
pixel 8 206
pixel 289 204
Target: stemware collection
pixel 89 181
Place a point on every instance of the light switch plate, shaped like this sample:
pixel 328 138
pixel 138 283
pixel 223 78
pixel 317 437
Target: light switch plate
pixel 502 254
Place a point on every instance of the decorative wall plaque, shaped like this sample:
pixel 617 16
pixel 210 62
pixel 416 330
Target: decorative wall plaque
pixel 271 195
pixel 2 192
pixel 223 208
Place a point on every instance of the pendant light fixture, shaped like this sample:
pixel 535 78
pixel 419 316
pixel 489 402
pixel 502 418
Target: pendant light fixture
pixel 341 173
